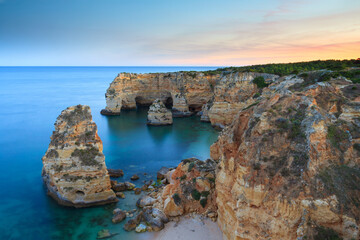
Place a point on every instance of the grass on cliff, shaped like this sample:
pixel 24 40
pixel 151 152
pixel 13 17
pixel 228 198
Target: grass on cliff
pixel 87 156
pixel 343 181
pixel 336 135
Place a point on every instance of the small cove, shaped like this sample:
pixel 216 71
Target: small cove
pixel 31 99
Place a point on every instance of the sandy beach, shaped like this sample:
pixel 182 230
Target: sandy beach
pixel 188 228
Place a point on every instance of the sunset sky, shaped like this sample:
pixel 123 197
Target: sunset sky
pixel 176 32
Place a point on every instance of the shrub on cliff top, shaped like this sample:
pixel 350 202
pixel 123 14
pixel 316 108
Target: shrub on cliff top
pixel 203 202
pixel 177 199
pixel 195 195
pixel 260 82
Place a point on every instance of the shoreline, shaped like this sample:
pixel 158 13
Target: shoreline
pixel 192 226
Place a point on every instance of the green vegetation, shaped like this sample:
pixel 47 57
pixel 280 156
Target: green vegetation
pixel 68 188
pixel 323 233
pixel 343 181
pixel 357 146
pixel 191 166
pixel 195 195
pixel 58 168
pixel 251 105
pixel 52 154
pixel 87 156
pixel 183 177
pixel 205 194
pixel 71 178
pixel 256 95
pixel 177 199
pixel 194 180
pixel 211 179
pixel 336 135
pixel 111 91
pixel 260 82
pixel 203 202
pixel 291 68
pixel 296 121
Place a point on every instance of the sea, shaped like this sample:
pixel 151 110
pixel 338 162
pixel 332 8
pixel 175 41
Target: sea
pixel 31 98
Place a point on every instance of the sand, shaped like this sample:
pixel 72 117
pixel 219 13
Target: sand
pixel 188 228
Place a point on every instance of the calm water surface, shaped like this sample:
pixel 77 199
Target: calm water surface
pixel 30 100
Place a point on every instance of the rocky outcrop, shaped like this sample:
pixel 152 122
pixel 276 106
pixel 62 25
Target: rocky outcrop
pixel 74 168
pixel 288 165
pixel 187 92
pixel 191 189
pixel 158 114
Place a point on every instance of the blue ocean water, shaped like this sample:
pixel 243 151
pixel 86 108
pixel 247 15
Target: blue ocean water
pixel 31 98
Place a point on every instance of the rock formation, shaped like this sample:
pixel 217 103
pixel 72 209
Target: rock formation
pixel 187 92
pixel 158 114
pixel 289 163
pixel 74 168
pixel 191 189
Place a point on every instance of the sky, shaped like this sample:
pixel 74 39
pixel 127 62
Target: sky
pixel 176 32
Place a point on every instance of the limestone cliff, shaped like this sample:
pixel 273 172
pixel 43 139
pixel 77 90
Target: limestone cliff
pixel 187 92
pixel 289 163
pixel 74 168
pixel 158 114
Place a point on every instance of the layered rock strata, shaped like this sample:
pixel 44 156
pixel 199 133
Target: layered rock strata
pixel 74 169
pixel 158 114
pixel 289 164
pixel 187 92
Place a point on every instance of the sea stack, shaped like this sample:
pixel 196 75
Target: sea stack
pixel 74 169
pixel 158 114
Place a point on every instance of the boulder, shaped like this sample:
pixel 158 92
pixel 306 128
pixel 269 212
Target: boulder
pixel 140 228
pixel 132 223
pixel 119 215
pixel 120 194
pixel 145 201
pixel 172 209
pixel 134 177
pixel 115 173
pixel 137 191
pixel 162 173
pixel 158 114
pixel 155 219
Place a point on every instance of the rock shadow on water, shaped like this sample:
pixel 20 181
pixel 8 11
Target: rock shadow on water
pixel 160 133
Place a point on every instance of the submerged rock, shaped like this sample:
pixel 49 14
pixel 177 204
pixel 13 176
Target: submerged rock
pixel 140 228
pixel 74 169
pixel 104 234
pixel 120 194
pixel 119 215
pixel 158 114
pixel 115 173
pixel 134 177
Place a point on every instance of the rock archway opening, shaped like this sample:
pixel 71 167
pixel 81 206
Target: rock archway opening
pixel 169 102
pixel 195 108
pixel 142 102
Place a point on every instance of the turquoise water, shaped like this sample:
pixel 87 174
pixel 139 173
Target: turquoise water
pixel 31 99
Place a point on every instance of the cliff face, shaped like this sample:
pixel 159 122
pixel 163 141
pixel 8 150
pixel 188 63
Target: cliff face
pixel 289 164
pixel 186 91
pixel 74 168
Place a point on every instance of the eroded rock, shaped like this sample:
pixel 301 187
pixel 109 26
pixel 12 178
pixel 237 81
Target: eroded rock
pixel 158 114
pixel 74 169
